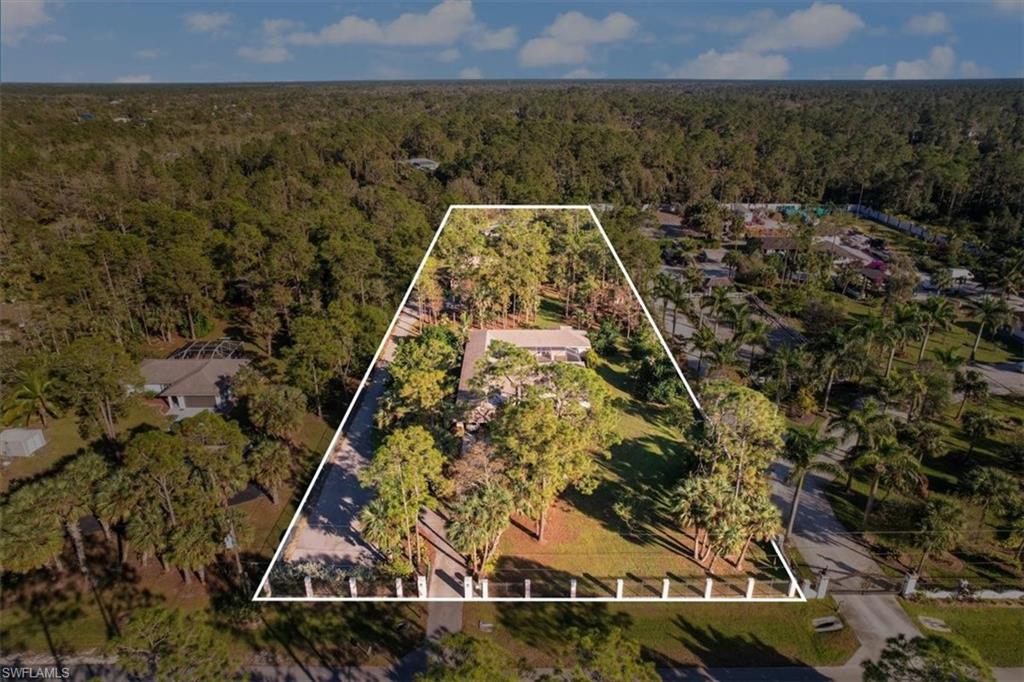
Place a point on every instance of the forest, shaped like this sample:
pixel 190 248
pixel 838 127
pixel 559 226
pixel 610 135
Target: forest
pixel 132 219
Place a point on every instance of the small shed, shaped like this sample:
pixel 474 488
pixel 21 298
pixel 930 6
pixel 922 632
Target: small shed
pixel 20 442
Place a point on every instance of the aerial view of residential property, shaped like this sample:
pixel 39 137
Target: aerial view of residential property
pixel 494 341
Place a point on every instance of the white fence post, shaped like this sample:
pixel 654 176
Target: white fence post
pixel 618 588
pixel 483 588
pixel 398 587
pixel 352 589
pixel 467 587
pixel 708 586
pixel 572 588
pixel 526 588
pixel 266 588
pixel 792 589
pixel 909 585
pixel 421 586
pixel 750 588
pixel 664 588
pixel 822 588
pixel 308 582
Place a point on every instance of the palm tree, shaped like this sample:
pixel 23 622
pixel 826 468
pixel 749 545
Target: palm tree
pixel 724 353
pixel 992 313
pixel 703 340
pixel 937 313
pixel 977 425
pixel 717 302
pixel 866 424
pixel 949 359
pixel 680 299
pixel 836 353
pixel 972 385
pixel 887 462
pixel 738 315
pixel 898 330
pixel 33 394
pixel 938 527
pixel 662 293
pixel 804 449
pixel 755 334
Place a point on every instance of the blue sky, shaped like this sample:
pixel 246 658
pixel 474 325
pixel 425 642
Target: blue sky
pixel 158 42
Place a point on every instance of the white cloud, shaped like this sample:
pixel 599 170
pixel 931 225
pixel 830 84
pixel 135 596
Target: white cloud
pixel 471 73
pixel 18 18
pixel 969 69
pixel 448 56
pixel 569 38
pixel 819 26
pixel 941 62
pixel 733 65
pixel 582 73
pixel 501 39
pixel 574 27
pixel 207 22
pixel 51 39
pixel 548 51
pixel 931 24
pixel 134 78
pixel 443 24
pixel 148 53
pixel 270 54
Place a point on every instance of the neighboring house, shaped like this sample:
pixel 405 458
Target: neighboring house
pixel 20 442
pixel 564 344
pixel 191 385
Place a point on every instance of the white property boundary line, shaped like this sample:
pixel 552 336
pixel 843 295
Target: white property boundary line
pixel 258 596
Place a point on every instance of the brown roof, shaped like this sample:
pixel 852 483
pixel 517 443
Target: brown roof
pixel 193 377
pixel 480 339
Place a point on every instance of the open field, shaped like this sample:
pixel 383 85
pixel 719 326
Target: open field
pixel 672 635
pixel 994 630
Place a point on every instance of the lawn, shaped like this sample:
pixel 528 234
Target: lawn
pixel 993 630
pixel 741 635
pixel 63 439
pixel 585 535
pixel 960 337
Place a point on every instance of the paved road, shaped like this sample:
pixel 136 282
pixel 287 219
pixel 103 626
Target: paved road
pixel 331 529
pixel 824 543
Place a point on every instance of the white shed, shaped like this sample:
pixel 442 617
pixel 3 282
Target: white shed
pixel 20 442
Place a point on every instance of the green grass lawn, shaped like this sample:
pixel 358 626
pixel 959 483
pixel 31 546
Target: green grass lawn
pixel 584 535
pixel 995 631
pixel 63 439
pixel 741 635
pixel 960 337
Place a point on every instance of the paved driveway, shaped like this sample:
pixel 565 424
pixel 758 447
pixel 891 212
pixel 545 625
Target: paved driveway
pixel 824 543
pixel 330 531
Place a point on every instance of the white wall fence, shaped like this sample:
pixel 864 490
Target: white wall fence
pixel 544 589
pixel 909 585
pixel 904 226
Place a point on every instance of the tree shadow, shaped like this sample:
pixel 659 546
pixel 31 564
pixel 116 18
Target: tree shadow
pixel 714 648
pixel 334 635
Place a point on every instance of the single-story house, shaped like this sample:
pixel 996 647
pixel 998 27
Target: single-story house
pixel 564 344
pixel 191 385
pixel 20 442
